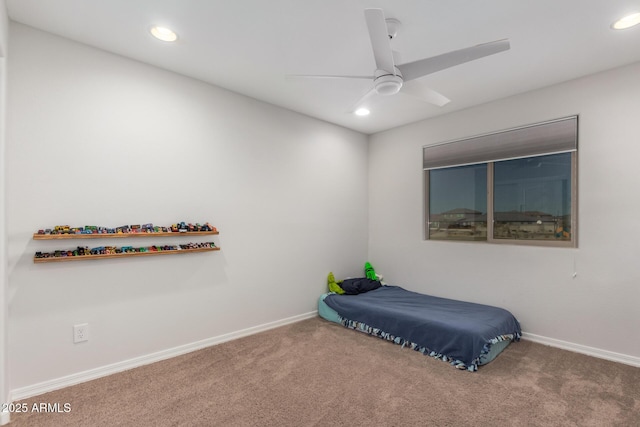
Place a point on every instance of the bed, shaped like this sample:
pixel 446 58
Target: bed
pixel 465 334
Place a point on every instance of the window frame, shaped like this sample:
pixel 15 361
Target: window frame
pixel 572 243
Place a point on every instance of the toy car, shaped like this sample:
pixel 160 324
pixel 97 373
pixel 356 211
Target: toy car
pixel 100 250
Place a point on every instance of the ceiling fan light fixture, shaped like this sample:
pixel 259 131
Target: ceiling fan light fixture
pixel 163 33
pixel 362 112
pixel 388 84
pixel 627 21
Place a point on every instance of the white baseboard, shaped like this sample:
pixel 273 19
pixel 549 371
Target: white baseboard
pixel 583 349
pixel 4 417
pixel 92 374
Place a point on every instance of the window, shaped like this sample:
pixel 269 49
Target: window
pixel 516 186
pixel 458 203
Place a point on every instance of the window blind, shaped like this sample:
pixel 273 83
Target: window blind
pixel 557 136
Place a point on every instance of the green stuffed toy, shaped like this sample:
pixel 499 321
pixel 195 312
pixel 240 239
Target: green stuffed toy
pixel 333 285
pixel 369 272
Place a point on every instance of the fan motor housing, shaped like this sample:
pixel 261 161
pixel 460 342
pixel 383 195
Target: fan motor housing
pixel 388 84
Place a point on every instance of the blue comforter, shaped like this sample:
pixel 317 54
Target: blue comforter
pixel 457 329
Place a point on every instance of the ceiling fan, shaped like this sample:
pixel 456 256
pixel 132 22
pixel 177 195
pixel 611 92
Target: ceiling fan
pixel 390 78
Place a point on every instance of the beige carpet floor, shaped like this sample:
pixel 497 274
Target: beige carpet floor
pixel 316 373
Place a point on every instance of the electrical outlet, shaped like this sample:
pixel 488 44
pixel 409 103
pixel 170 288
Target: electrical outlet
pixel 80 333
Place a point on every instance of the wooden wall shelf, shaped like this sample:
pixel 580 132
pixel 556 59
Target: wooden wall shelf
pixel 37 236
pixel 124 255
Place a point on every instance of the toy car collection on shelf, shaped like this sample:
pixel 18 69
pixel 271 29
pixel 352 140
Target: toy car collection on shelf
pixel 101 252
pixel 92 231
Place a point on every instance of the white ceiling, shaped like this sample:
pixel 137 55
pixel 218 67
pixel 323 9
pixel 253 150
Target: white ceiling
pixel 250 46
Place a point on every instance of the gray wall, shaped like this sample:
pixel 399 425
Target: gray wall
pixel 94 138
pixel 597 310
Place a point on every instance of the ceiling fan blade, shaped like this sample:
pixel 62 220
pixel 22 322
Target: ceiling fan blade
pixel 418 90
pixel 379 36
pixel 397 57
pixel 416 69
pixel 312 76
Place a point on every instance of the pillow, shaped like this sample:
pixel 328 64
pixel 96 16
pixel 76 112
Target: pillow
pixel 358 285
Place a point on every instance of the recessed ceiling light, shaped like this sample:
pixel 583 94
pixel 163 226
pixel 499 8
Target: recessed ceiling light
pixel 362 112
pixel 626 22
pixel 164 34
